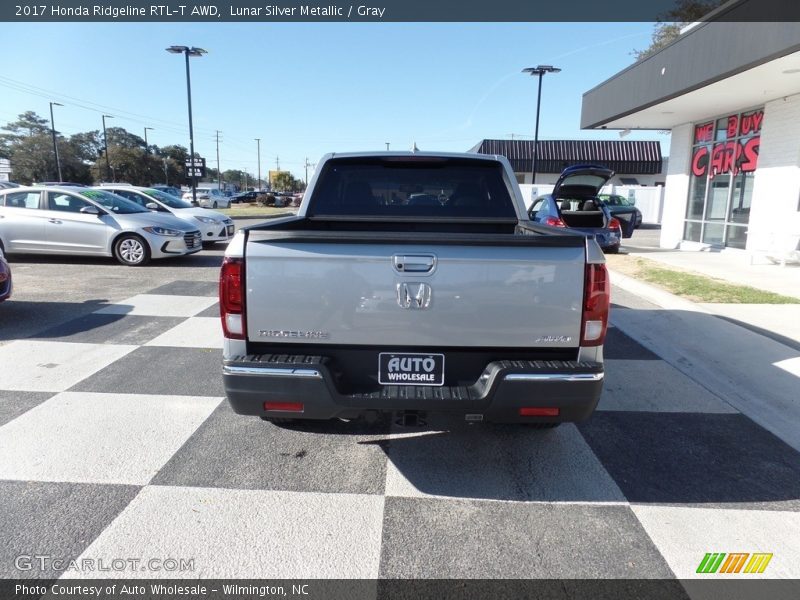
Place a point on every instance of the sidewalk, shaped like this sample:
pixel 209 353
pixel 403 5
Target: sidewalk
pixel 757 374
pixel 781 322
pixel 729 265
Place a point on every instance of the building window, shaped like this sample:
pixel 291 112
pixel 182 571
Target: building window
pixel 724 160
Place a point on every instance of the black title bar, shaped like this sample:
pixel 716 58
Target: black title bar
pixel 385 11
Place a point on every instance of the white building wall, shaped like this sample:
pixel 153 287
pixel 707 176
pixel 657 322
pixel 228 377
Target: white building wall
pixel 677 190
pixel 774 216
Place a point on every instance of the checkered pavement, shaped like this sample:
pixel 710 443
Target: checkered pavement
pixel 115 441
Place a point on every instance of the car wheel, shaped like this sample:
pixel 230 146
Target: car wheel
pixel 214 205
pixel 131 250
pixel 611 250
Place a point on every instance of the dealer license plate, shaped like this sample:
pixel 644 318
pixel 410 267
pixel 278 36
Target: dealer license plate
pixel 410 369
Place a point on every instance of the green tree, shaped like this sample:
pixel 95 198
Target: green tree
pixel 284 181
pixel 670 24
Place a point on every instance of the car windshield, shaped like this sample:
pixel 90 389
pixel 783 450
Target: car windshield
pixel 112 202
pixel 168 199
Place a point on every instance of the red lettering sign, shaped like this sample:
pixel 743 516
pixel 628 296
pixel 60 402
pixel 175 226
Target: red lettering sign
pixel 750 155
pixel 704 132
pixel 751 123
pixel 733 125
pixel 700 161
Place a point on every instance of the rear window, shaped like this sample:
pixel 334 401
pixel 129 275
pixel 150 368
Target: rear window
pixel 400 187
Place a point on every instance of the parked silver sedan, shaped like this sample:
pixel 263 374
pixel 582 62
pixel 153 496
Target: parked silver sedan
pixel 71 220
pixel 214 226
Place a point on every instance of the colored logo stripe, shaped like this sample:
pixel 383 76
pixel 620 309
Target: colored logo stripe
pixel 710 562
pixel 758 563
pixel 713 562
pixel 734 562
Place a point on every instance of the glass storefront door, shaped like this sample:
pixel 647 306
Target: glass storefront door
pixel 724 159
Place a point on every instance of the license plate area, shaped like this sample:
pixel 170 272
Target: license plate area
pixel 404 368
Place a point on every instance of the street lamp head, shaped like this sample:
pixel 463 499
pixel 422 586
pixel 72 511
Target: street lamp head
pixel 541 70
pixel 196 51
pixel 177 49
pixel 108 116
pixel 149 129
pixel 56 104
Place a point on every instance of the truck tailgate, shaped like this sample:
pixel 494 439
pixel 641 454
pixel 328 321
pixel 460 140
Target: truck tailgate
pixel 408 294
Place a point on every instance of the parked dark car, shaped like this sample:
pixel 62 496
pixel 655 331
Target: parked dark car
pixel 244 197
pixel 573 203
pixel 5 278
pixel 622 208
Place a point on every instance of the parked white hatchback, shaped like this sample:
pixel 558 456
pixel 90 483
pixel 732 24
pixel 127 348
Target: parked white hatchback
pixel 209 197
pixel 80 220
pixel 214 227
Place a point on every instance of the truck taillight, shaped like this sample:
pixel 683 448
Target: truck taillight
pixel 231 298
pixel 596 302
pixel 554 222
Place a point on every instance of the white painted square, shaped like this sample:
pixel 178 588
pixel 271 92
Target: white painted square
pixel 655 386
pixel 158 305
pixel 497 463
pixel 37 366
pixel 99 438
pixel 246 534
pixel 684 535
pixel 195 332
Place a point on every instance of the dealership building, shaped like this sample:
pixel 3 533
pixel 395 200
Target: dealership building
pixel 729 93
pixel 633 162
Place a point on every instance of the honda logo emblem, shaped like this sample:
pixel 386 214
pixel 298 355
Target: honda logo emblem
pixel 414 296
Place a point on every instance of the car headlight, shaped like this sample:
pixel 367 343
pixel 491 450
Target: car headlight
pixel 163 231
pixel 208 220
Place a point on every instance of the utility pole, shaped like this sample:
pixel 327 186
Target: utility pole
pixel 307 165
pixel 146 152
pixel 258 141
pixel 277 163
pixel 219 172
pixel 55 145
pixel 105 143
pixel 387 146
pixel 166 173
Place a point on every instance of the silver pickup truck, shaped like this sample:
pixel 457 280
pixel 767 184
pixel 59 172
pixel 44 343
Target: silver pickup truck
pixel 411 283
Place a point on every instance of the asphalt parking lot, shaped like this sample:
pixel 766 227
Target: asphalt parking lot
pixel 117 442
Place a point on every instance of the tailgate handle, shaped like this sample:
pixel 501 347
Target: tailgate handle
pixel 418 263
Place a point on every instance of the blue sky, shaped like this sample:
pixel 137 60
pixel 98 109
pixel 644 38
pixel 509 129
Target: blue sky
pixel 307 89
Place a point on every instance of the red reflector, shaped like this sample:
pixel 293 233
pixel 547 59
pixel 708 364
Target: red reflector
pixel 615 224
pixel 538 411
pixel 284 406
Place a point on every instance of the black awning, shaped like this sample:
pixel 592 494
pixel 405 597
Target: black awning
pixel 622 156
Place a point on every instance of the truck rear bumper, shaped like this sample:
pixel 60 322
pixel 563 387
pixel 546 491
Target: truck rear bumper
pixel 502 390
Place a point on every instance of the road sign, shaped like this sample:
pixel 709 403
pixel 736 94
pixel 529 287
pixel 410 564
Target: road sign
pixel 195 168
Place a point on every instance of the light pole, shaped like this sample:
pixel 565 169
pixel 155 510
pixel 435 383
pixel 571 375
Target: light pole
pixel 187 52
pixel 105 143
pixel 258 142
pixel 540 71
pixel 55 145
pixel 146 146
pixel 146 152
